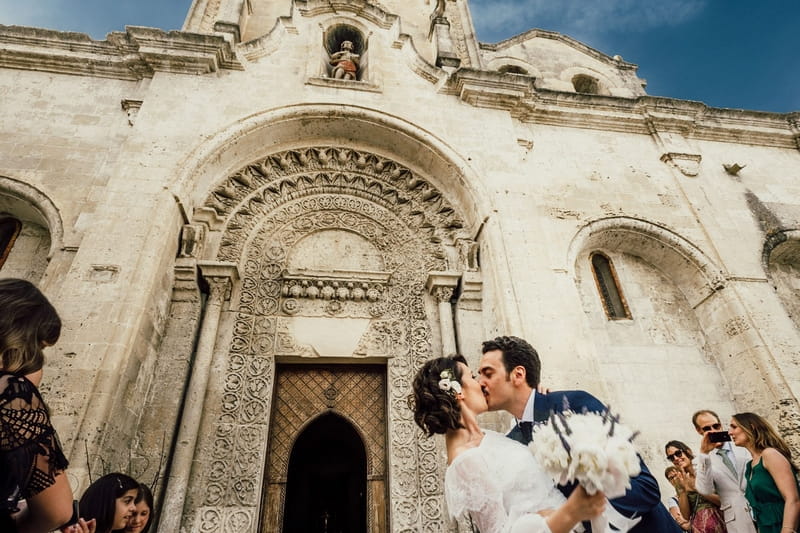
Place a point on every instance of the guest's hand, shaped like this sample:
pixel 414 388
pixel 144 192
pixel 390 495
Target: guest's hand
pixel 685 480
pixel 82 526
pixel 706 446
pixel 541 389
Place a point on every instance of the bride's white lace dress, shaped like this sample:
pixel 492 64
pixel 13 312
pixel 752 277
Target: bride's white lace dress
pixel 500 486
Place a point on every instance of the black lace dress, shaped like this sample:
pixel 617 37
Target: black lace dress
pixel 30 454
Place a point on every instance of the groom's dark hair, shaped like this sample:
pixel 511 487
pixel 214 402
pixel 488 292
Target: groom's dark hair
pixel 517 352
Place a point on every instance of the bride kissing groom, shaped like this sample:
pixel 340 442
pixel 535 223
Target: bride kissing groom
pixel 497 482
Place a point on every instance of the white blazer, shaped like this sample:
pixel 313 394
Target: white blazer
pixel 714 477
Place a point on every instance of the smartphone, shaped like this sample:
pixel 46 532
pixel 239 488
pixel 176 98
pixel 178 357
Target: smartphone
pixel 719 436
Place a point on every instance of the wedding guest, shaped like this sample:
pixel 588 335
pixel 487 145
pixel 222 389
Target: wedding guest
pixel 492 479
pixel 771 483
pixel 31 459
pixel 719 468
pixel 509 376
pixel 110 501
pixel 139 521
pixel 671 473
pixel 701 510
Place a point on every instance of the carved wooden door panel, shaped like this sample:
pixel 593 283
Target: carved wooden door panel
pixel 302 393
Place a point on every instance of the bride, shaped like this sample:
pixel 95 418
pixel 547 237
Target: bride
pixel 492 479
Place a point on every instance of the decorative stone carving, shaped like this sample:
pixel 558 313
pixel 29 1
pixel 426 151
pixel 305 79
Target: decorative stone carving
pixel 368 180
pixel 736 325
pixel 272 205
pixel 356 286
pixel 345 62
pixel 192 237
pixel 687 164
pixel 131 107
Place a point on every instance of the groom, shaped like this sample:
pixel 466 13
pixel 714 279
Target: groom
pixel 509 374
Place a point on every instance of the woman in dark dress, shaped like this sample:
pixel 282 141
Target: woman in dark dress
pixel 771 484
pixel 32 463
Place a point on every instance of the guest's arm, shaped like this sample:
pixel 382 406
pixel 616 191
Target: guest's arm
pixel 781 471
pixel 47 509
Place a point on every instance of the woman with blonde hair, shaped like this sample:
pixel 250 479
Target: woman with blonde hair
pixel 31 460
pixel 771 484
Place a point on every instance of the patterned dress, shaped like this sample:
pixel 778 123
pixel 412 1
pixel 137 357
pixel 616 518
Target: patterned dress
pixel 30 454
pixel 706 517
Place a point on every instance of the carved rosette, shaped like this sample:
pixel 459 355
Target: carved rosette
pixel 270 206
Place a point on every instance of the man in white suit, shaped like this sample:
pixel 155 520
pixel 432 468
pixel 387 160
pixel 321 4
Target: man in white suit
pixel 720 469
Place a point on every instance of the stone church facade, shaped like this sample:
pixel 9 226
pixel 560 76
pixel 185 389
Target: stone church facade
pixel 256 233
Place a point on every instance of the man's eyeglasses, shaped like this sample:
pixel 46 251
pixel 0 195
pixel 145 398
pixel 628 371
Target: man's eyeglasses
pixel 671 457
pixel 712 427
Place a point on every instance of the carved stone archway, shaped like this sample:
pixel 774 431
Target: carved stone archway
pixel 269 209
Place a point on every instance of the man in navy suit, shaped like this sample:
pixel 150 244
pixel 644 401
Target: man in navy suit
pixel 509 375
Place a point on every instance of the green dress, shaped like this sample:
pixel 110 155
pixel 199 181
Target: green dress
pixel 764 497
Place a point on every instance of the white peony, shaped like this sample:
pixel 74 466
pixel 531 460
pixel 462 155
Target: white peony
pixel 588 448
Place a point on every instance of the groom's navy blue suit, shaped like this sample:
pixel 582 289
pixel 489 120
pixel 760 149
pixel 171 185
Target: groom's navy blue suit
pixel 642 499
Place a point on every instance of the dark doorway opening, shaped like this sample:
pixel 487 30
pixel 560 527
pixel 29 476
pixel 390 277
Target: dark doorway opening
pixel 327 481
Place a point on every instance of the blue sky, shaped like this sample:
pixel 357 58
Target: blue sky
pixel 725 53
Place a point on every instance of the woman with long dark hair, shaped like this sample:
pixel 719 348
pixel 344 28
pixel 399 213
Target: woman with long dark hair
pixel 31 460
pixel 139 521
pixel 771 484
pixel 110 501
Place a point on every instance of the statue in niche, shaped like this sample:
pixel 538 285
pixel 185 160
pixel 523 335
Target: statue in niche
pixel 345 62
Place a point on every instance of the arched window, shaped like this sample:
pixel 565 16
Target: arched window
pixel 608 285
pixel 585 84
pixel 9 229
pixel 512 69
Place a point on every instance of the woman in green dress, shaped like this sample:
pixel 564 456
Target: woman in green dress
pixel 771 485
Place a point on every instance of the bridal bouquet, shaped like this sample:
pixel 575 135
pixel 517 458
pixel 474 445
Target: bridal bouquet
pixel 593 449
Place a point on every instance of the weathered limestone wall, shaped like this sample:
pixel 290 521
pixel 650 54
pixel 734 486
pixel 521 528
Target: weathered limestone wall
pixel 133 171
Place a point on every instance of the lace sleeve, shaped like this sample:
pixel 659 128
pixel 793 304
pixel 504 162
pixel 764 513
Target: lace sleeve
pixel 29 449
pixel 470 489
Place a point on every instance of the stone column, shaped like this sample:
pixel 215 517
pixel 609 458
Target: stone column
pixel 441 286
pixel 221 278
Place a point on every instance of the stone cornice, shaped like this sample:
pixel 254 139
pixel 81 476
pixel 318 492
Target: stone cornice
pixel 645 114
pixel 131 55
pixel 544 34
pixel 492 89
pixel 368 10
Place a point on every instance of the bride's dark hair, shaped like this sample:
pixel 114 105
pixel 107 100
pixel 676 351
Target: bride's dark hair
pixel 436 410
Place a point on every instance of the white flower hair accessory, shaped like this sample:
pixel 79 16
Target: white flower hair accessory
pixel 448 382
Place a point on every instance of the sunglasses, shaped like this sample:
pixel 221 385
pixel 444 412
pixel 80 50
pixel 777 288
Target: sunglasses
pixel 671 457
pixel 712 427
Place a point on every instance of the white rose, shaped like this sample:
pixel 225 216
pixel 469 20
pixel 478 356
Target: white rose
pixel 444 384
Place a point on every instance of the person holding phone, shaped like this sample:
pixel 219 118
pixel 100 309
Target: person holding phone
pixel 719 469
pixel 701 510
